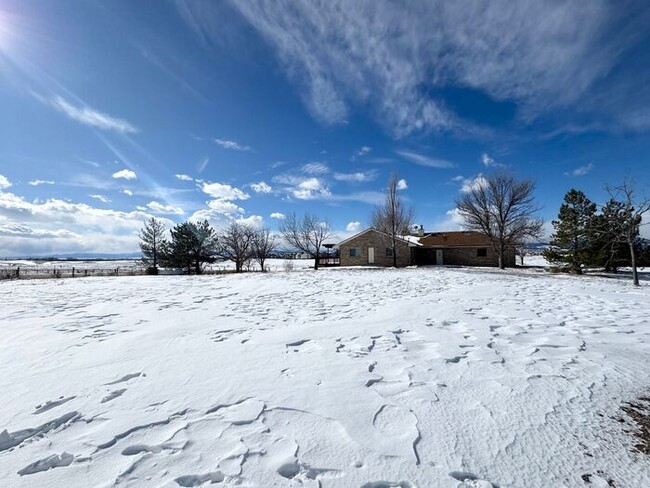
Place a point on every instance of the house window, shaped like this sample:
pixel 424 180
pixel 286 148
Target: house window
pixel 481 252
pixel 389 252
pixel 355 252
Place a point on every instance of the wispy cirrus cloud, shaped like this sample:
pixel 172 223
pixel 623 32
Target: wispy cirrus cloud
pixel 315 168
pixel 233 145
pixel 356 177
pixel 423 160
pixel 91 117
pixel 581 170
pixel 40 182
pixel 489 162
pixel 183 177
pixel 393 57
pixel 101 198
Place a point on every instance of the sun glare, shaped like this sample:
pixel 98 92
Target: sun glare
pixel 5 31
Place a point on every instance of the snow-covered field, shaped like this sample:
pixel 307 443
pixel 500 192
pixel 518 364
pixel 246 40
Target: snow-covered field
pixel 337 378
pixel 129 264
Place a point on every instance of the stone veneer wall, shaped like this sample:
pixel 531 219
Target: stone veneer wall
pixel 467 256
pixel 372 239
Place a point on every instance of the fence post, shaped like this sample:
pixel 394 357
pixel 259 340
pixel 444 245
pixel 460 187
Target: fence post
pixel 116 271
pixel 73 271
pixel 18 272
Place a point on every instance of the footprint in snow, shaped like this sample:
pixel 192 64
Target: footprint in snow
pixel 468 480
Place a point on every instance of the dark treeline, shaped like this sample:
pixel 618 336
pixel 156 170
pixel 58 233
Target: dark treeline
pixel 194 244
pixel 591 236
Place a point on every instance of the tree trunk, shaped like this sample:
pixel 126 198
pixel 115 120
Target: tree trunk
pixel 502 264
pixel 394 256
pixel 316 259
pixel 262 265
pixel 635 274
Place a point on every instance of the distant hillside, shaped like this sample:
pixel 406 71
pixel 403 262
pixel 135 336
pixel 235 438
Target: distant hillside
pixel 88 256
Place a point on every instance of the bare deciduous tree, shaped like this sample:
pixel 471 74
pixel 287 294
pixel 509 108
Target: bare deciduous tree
pixel 307 234
pixel 264 244
pixel 502 208
pixel 392 218
pixel 625 221
pixel 236 244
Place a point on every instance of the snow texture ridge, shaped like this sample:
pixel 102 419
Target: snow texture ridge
pixel 339 378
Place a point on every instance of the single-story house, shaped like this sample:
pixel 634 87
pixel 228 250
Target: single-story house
pixel 463 248
pixel 371 248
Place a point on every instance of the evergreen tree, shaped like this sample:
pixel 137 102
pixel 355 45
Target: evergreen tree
pixel 610 253
pixel 192 245
pixel 152 243
pixel 572 244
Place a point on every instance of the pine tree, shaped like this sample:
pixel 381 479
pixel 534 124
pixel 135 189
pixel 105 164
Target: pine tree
pixel 572 244
pixel 192 245
pixel 152 243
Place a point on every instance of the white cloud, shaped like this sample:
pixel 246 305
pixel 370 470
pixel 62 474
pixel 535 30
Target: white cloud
pixel 358 177
pixel 91 117
pixel 125 174
pixel 101 198
pixel 452 221
pixel 353 226
pixel 471 184
pixel 401 184
pixel 342 54
pixel 183 177
pixel 40 182
pixel 235 146
pixel 487 160
pixel 221 191
pixel 315 168
pixel 159 208
pixel 277 215
pixel 362 151
pixel 59 226
pixel 261 187
pixel 255 221
pixel 128 192
pixel 580 171
pixel 311 189
pixel 425 160
pixel 4 182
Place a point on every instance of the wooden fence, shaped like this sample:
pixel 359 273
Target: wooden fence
pixel 29 272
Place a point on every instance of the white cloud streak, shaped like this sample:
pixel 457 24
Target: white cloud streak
pixel 392 56
pixel 91 117
pixel 580 171
pixel 422 160
pixel 40 182
pixel 233 145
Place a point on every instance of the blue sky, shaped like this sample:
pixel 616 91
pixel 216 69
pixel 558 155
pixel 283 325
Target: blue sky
pixel 116 111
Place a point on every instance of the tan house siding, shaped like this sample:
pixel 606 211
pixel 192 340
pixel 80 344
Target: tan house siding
pixel 469 256
pixel 372 239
